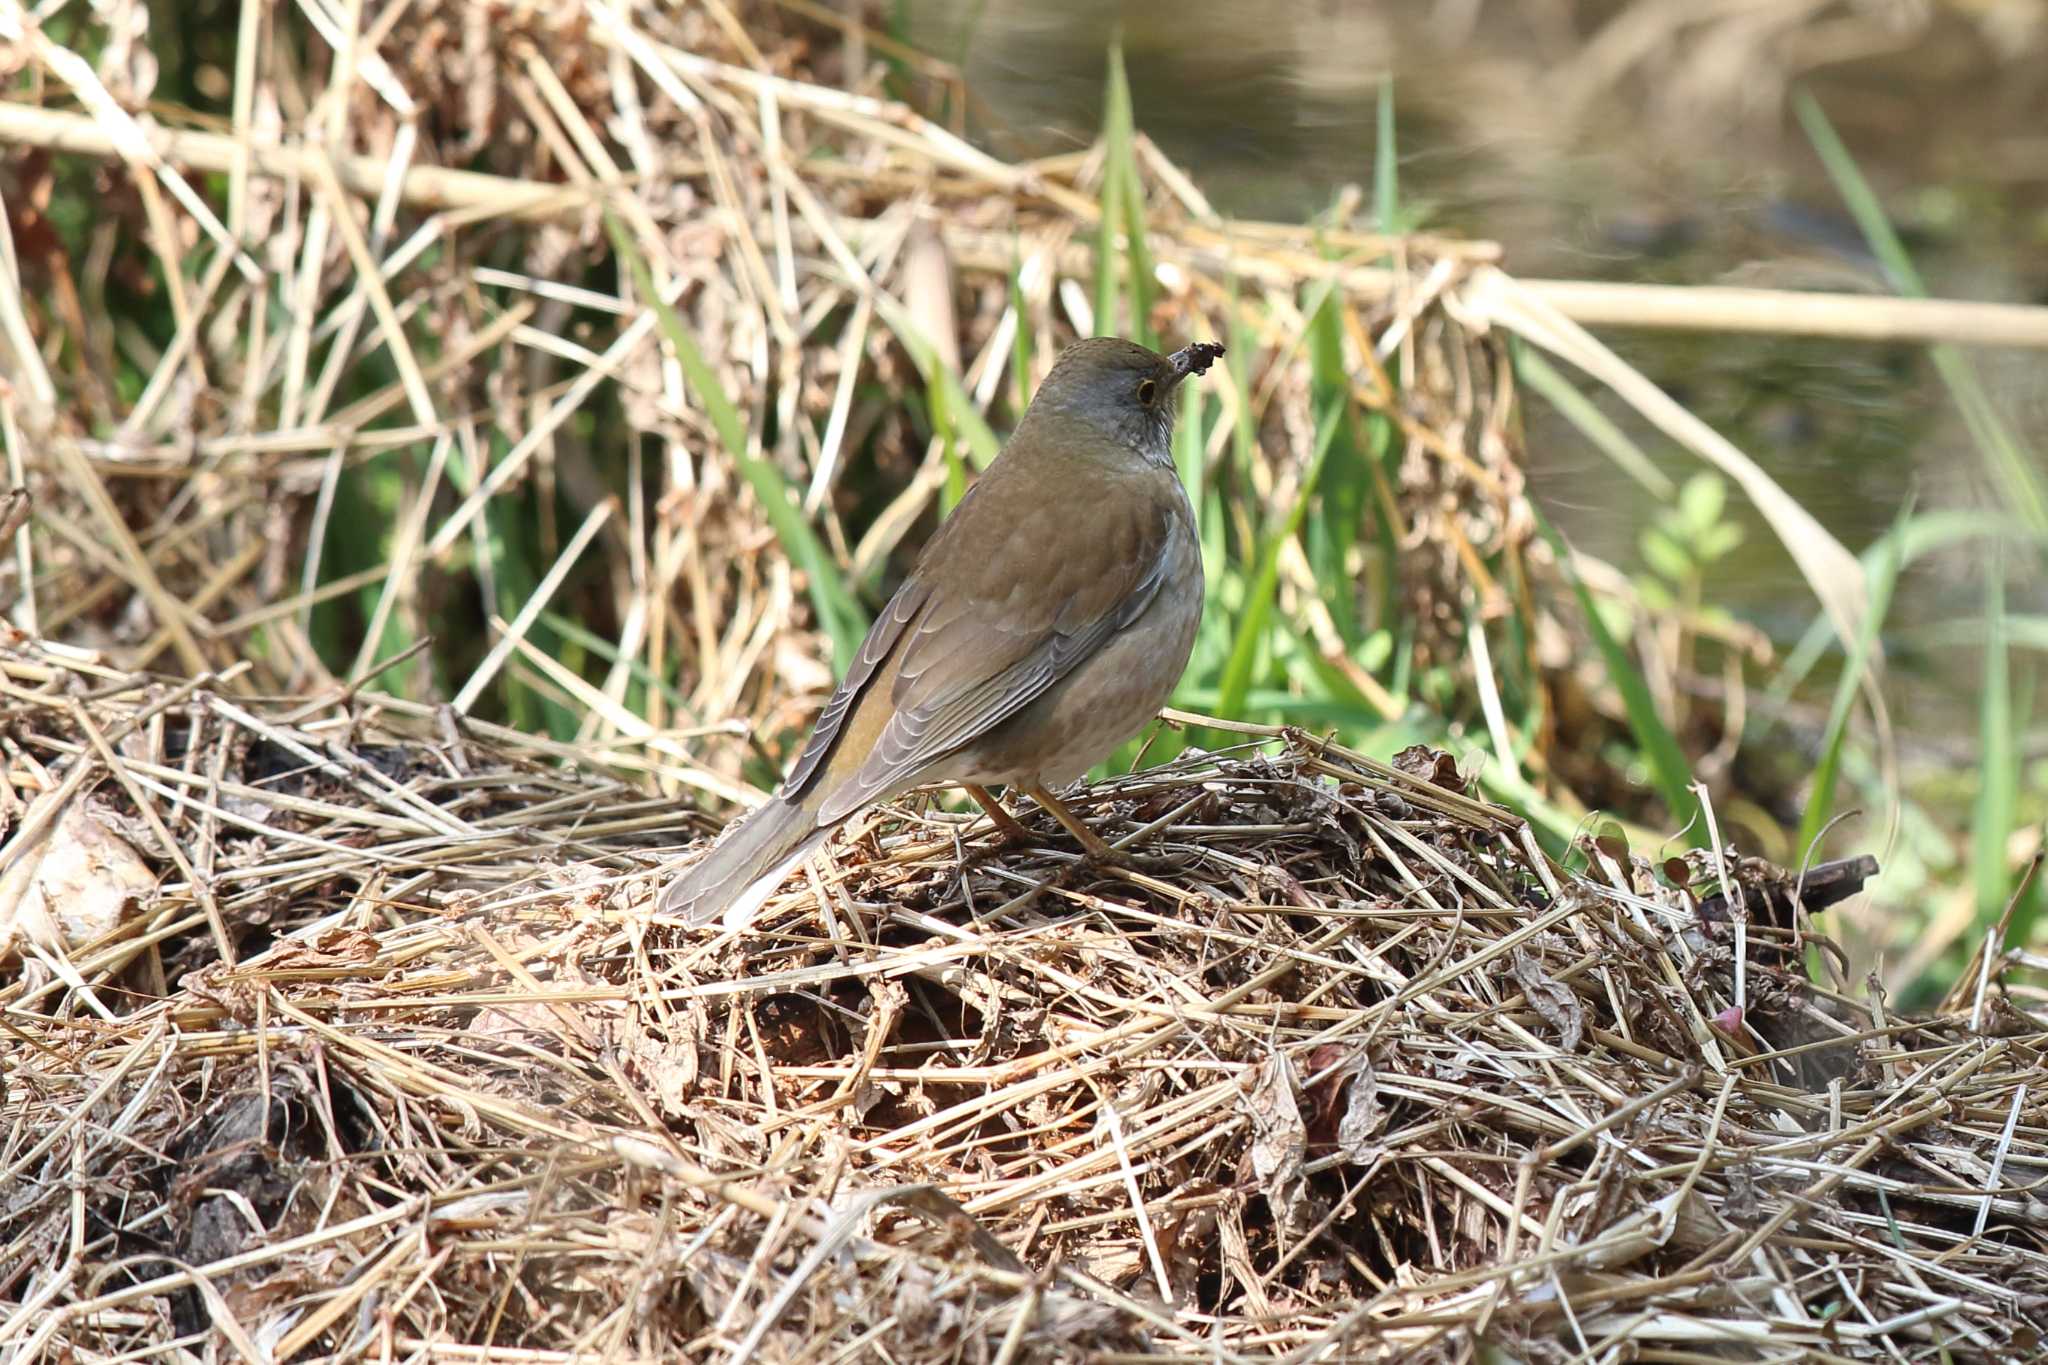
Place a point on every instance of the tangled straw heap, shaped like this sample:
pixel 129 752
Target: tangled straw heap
pixel 1366 1077
pixel 340 1025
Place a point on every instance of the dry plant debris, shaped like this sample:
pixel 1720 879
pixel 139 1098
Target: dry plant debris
pixel 827 248
pixel 316 471
pixel 1365 1077
pixel 337 1025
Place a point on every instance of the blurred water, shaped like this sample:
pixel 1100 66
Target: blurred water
pixel 1683 166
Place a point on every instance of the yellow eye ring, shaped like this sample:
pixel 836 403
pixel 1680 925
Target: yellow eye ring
pixel 1147 390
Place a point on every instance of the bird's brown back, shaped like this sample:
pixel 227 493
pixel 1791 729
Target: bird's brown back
pixel 991 615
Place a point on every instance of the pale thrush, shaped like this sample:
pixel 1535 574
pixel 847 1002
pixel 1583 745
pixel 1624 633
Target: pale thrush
pixel 1045 623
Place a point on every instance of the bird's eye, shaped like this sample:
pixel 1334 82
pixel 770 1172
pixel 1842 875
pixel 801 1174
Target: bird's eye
pixel 1147 389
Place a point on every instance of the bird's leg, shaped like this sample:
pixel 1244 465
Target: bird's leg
pixel 1006 824
pixel 1098 851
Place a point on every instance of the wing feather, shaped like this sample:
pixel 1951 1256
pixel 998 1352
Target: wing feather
pixel 882 637
pixel 984 654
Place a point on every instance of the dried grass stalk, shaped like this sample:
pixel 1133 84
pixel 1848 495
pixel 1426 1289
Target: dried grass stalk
pixel 1364 1077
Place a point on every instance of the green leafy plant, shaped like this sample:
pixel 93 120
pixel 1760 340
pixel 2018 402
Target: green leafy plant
pixel 1681 547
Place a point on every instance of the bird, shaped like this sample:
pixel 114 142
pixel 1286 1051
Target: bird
pixel 1045 622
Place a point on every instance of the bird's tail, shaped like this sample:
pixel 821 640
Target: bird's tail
pixel 746 865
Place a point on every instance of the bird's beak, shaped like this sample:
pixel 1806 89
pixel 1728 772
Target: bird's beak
pixel 1195 358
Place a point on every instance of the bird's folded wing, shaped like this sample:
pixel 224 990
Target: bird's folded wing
pixel 998 625
pixel 883 637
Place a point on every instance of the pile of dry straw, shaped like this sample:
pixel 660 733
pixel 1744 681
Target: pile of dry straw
pixel 1365 1076
pixel 338 1025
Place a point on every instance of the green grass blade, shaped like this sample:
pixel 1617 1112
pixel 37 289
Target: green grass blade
pixel 1528 802
pixel 1669 771
pixel 1927 533
pixel 1998 770
pixel 1123 211
pixel 1022 343
pixel 1258 606
pixel 1346 489
pixel 1540 376
pixel 1280 706
pixel 1122 132
pixel 1386 174
pixel 955 487
pixel 608 651
pixel 2012 465
pixel 1244 434
pixel 1108 247
pixel 1189 446
pixel 839 614
pixel 942 385
pixel 1821 804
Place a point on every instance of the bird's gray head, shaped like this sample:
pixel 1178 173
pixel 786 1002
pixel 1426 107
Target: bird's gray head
pixel 1122 390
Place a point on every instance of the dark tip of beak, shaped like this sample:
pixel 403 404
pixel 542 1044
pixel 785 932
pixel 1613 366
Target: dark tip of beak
pixel 1195 358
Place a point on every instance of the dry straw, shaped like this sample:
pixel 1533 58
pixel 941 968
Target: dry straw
pixel 373 1051
pixel 1359 1075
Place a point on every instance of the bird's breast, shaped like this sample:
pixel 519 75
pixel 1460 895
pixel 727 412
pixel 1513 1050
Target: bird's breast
pixel 1117 690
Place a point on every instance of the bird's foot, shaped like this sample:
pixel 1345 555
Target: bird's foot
pixel 1094 847
pixel 1009 833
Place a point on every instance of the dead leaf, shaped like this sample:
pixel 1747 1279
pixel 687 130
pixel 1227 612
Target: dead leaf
pixel 74 885
pixel 1279 1141
pixel 666 1066
pixel 1556 1002
pixel 1363 1118
pixel 1433 766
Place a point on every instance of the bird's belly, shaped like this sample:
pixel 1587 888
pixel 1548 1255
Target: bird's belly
pixel 1105 700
